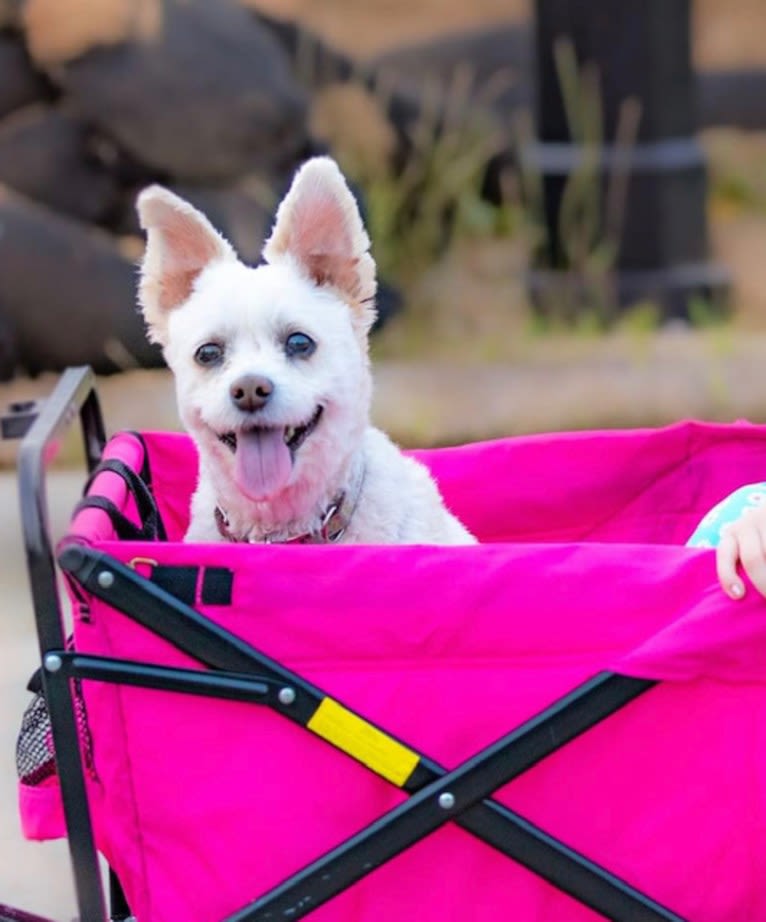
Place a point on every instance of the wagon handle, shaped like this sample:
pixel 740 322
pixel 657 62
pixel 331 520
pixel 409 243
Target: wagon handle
pixel 73 398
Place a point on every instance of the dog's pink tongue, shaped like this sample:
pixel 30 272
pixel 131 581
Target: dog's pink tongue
pixel 262 463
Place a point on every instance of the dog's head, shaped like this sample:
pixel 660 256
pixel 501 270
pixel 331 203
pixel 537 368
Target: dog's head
pixel 271 362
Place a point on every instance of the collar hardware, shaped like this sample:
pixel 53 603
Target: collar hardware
pixel 332 527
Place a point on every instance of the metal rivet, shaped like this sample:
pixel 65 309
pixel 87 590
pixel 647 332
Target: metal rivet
pixel 446 800
pixel 286 695
pixel 53 662
pixel 105 579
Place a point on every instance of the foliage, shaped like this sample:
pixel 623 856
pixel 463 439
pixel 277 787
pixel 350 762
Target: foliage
pixel 591 210
pixel 417 210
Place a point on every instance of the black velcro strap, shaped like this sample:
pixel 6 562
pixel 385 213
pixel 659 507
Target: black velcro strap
pixel 152 527
pixel 178 581
pixel 124 528
pixel 217 583
pixel 184 582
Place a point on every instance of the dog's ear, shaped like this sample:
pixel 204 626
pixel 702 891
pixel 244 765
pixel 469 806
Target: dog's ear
pixel 180 243
pixel 319 228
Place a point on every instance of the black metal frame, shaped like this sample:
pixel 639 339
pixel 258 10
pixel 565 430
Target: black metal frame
pixel 236 670
pixel 74 398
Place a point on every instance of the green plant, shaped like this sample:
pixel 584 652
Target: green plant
pixel 417 210
pixel 737 167
pixel 584 247
pixel 706 313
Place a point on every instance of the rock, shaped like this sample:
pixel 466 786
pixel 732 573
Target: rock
pixel 317 65
pixel 388 303
pixel 732 98
pixel 44 154
pixel 496 62
pixel 20 84
pixel 68 295
pixel 9 14
pixel 206 98
pixel 314 61
pixel 7 351
pixel 243 213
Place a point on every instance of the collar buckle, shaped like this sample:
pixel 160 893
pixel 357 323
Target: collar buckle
pixel 334 524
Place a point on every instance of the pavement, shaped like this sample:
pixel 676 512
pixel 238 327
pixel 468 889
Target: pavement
pixel 33 876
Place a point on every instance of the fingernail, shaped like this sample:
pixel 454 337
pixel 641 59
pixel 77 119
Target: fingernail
pixel 737 590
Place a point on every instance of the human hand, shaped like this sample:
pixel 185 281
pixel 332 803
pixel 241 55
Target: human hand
pixel 743 542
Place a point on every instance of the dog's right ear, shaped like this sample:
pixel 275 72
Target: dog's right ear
pixel 319 229
pixel 180 243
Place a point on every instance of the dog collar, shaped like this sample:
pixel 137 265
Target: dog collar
pixel 335 521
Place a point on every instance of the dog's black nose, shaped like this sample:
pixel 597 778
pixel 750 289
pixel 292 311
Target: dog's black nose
pixel 251 392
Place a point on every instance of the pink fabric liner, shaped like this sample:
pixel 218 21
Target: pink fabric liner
pixel 201 806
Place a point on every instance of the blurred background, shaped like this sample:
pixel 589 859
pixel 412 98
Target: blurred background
pixel 567 203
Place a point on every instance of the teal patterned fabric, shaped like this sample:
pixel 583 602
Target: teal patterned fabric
pixel 708 532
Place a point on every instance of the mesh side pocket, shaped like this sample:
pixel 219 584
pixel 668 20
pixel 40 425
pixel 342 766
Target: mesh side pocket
pixel 35 757
pixel 35 761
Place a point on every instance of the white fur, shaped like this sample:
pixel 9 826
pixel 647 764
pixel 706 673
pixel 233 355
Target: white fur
pixel 319 280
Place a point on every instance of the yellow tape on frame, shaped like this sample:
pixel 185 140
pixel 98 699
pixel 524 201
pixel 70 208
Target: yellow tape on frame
pixel 364 742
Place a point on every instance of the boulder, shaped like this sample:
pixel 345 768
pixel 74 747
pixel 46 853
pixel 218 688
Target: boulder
pixel 9 14
pixel 732 98
pixel 243 213
pixel 67 296
pixel 206 97
pixel 496 62
pixel 20 84
pixel 44 154
pixel 314 61
pixel 317 65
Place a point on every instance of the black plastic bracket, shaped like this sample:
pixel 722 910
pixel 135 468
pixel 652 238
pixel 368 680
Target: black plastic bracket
pixel 18 419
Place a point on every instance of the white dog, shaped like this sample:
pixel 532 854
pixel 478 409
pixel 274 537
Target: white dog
pixel 272 374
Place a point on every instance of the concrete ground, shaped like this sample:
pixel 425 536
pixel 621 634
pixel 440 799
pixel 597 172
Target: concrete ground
pixel 33 876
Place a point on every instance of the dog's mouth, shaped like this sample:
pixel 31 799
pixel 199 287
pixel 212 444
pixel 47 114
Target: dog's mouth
pixel 264 455
pixel 292 436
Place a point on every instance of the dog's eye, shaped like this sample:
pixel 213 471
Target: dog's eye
pixel 209 354
pixel 299 345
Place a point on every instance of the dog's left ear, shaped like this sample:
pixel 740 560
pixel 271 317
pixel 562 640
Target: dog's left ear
pixel 318 227
pixel 180 243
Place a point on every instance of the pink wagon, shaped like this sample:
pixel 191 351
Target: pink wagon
pixel 564 723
